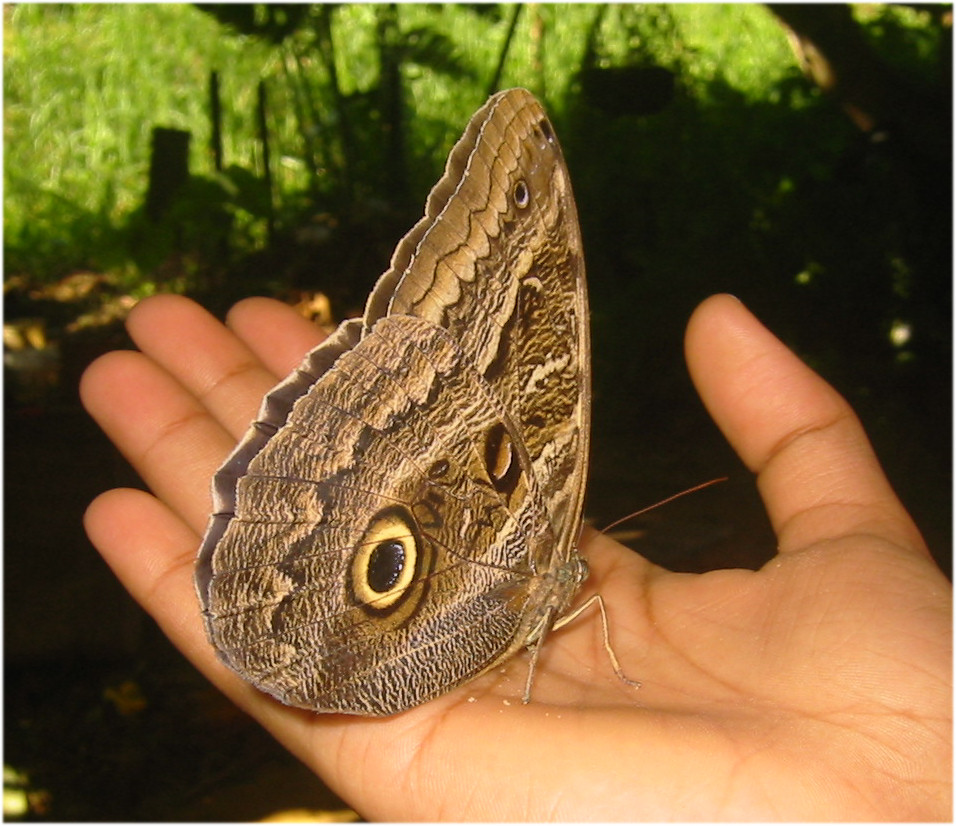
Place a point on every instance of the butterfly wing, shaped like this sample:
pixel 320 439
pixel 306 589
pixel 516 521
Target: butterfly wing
pixel 378 531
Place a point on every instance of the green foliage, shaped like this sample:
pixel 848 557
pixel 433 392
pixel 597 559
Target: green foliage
pixel 694 140
pixel 83 87
pixel 85 84
pixel 910 38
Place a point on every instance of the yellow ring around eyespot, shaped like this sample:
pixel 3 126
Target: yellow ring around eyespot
pixel 391 527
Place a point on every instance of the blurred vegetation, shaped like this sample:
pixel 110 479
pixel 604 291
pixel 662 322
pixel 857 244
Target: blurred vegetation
pixel 363 102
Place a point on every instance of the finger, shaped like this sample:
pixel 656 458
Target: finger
pixel 152 552
pixel 160 427
pixel 816 470
pixel 277 334
pixel 208 360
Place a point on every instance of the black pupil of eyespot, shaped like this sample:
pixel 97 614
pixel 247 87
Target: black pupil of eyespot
pixel 385 565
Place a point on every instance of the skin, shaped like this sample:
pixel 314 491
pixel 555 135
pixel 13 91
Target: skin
pixel 819 687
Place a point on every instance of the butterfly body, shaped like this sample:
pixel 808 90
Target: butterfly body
pixel 404 514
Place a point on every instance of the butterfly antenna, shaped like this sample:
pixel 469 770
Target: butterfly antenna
pixel 671 498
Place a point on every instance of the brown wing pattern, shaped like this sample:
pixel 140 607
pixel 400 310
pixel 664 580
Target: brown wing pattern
pixel 391 525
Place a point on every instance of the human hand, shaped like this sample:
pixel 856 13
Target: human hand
pixel 816 688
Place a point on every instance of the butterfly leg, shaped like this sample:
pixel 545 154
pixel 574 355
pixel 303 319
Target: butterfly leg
pixel 534 648
pixel 555 625
pixel 596 599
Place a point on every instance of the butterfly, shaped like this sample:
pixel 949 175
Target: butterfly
pixel 405 511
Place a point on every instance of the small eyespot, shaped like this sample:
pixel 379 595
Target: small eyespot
pixel 521 195
pixel 438 470
pixel 502 461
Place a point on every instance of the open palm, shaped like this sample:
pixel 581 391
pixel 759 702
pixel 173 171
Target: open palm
pixel 816 688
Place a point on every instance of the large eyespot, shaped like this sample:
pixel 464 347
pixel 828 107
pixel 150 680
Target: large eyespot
pixel 386 562
pixel 521 195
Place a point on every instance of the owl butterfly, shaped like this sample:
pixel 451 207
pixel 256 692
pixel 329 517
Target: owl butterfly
pixel 404 514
